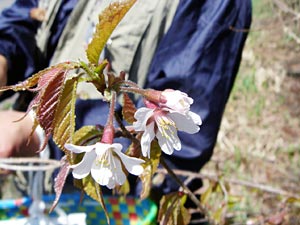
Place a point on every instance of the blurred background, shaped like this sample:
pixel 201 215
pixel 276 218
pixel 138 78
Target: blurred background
pixel 258 152
pixel 5 3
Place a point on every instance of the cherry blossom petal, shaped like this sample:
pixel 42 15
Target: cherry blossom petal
pixel 111 183
pixel 195 117
pixel 177 101
pixel 131 164
pixel 108 174
pixel 168 140
pixel 165 146
pixel 116 146
pixel 82 169
pixel 116 168
pixel 107 168
pixel 186 123
pixel 102 148
pixel 101 175
pixel 146 139
pixel 79 149
pixel 142 115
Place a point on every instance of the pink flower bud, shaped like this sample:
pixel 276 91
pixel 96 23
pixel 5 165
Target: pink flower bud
pixel 149 104
pixel 176 101
pixel 154 96
pixel 108 134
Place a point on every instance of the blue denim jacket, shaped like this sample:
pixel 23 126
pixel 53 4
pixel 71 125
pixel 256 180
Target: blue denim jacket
pixel 200 55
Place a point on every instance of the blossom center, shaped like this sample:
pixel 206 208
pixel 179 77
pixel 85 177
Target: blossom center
pixel 166 126
pixel 183 103
pixel 102 160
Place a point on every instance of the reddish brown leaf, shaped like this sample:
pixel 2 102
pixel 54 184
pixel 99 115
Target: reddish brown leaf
pixel 111 79
pixel 50 87
pixel 46 77
pixel 60 181
pixel 48 100
pixel 40 78
pixel 129 109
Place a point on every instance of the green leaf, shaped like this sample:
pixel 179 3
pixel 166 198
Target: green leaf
pixel 93 189
pixel 172 210
pixel 218 215
pixel 64 118
pixel 108 20
pixel 184 216
pixel 206 195
pixel 128 109
pixel 95 74
pixel 150 167
pixel 167 203
pixel 124 189
pixel 88 135
pixel 233 201
pixel 101 201
pixel 90 187
pixel 292 200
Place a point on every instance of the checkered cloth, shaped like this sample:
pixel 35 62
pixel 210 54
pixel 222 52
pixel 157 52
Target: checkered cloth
pixel 121 210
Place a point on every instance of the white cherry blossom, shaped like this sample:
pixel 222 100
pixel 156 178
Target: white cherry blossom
pixel 104 162
pixel 176 101
pixel 164 125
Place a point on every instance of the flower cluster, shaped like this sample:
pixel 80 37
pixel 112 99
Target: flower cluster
pixel 162 119
pixel 164 114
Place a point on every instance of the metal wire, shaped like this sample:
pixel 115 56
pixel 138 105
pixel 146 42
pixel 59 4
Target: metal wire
pixel 29 164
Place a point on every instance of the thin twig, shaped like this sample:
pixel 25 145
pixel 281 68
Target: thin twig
pixel 187 190
pixel 133 90
pixel 249 184
pixel 224 190
pixel 124 131
pixel 291 34
pixel 285 8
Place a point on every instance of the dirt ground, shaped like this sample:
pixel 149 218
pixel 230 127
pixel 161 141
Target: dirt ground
pixel 258 145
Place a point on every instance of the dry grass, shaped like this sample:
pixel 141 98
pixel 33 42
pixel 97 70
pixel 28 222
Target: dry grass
pixel 259 140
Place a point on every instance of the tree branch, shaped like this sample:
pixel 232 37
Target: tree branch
pixel 249 184
pixel 191 195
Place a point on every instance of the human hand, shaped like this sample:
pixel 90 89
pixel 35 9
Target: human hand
pixel 14 138
pixel 38 14
pixel 3 71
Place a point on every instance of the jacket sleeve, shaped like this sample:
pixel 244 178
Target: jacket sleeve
pixel 200 55
pixel 17 40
